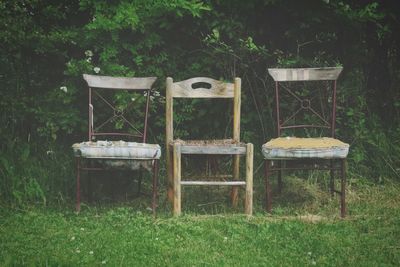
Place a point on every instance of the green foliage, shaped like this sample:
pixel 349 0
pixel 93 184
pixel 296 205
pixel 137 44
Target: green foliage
pixel 47 46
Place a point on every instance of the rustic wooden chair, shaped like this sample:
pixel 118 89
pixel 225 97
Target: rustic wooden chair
pixel 306 103
pixel 175 148
pixel 99 155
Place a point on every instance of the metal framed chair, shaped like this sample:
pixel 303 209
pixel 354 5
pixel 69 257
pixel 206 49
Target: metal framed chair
pixel 105 94
pixel 306 104
pixel 201 87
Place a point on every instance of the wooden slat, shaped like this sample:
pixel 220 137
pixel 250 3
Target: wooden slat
pixel 305 74
pixel 234 183
pixel 210 149
pixel 109 82
pixel 219 89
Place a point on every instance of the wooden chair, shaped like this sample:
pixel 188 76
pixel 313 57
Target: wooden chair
pixel 176 148
pixel 306 101
pixel 99 155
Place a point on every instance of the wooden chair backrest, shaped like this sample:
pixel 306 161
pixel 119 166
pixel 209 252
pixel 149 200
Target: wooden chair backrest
pixel 287 75
pixel 202 87
pixel 117 83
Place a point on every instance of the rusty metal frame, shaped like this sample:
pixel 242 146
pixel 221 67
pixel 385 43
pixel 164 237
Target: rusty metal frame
pixel 116 114
pixel 91 134
pixel 331 165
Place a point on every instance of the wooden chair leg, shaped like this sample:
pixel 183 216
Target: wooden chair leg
pixel 343 189
pixel 249 180
pixel 177 179
pixel 78 185
pixel 170 174
pixel 155 183
pixel 268 192
pixel 235 189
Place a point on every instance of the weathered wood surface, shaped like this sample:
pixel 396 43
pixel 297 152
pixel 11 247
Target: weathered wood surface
pixel 177 179
pixel 248 205
pixel 219 89
pixel 169 137
pixel 108 82
pixel 305 74
pixel 232 183
pixel 216 150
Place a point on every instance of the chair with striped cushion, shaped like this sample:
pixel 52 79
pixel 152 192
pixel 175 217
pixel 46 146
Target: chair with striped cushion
pixel 305 120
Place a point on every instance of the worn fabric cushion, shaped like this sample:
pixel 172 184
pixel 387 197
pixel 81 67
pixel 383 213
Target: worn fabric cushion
pixel 117 150
pixel 294 147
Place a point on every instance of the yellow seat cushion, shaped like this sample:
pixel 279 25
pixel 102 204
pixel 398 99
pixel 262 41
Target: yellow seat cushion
pixel 295 147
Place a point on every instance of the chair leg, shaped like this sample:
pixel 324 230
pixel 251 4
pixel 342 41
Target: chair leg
pixel 268 193
pixel 235 189
pixel 170 174
pixel 249 180
pixel 78 185
pixel 343 189
pixel 176 159
pixel 155 183
pixel 139 181
pixel 280 184
pixel 332 179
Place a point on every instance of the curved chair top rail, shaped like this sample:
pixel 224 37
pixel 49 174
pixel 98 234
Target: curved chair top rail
pixel 305 74
pixel 196 88
pixel 109 82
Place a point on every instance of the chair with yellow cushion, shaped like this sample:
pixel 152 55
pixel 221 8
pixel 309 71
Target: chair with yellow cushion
pixel 306 105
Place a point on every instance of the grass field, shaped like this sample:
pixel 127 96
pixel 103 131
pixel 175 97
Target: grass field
pixel 305 234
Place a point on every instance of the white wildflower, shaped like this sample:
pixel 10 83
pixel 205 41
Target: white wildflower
pixel 225 238
pixel 82 229
pixel 309 253
pixel 73 238
pixel 77 250
pixel 156 238
pixel 64 89
pixel 156 93
pixel 313 262
pixel 104 262
pixel 96 69
pixel 89 53
pixel 49 152
pixel 89 59
pixel 91 252
pixel 133 99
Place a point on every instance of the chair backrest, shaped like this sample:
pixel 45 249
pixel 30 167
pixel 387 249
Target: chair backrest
pixel 202 87
pixel 311 92
pixel 97 83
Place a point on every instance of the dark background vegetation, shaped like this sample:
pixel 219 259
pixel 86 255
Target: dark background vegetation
pixel 47 45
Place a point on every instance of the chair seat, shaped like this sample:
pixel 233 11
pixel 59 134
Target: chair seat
pixel 294 147
pixel 117 150
pixel 221 146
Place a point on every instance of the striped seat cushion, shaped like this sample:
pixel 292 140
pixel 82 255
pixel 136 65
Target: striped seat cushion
pixel 294 147
pixel 117 150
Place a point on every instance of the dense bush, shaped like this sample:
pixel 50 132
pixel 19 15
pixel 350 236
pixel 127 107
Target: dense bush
pixel 47 45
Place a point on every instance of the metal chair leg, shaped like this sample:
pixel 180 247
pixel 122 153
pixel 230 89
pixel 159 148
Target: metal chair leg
pixel 280 184
pixel 139 181
pixel 78 185
pixel 343 189
pixel 268 196
pixel 155 189
pixel 332 178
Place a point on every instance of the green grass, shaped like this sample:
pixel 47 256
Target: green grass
pixel 130 236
